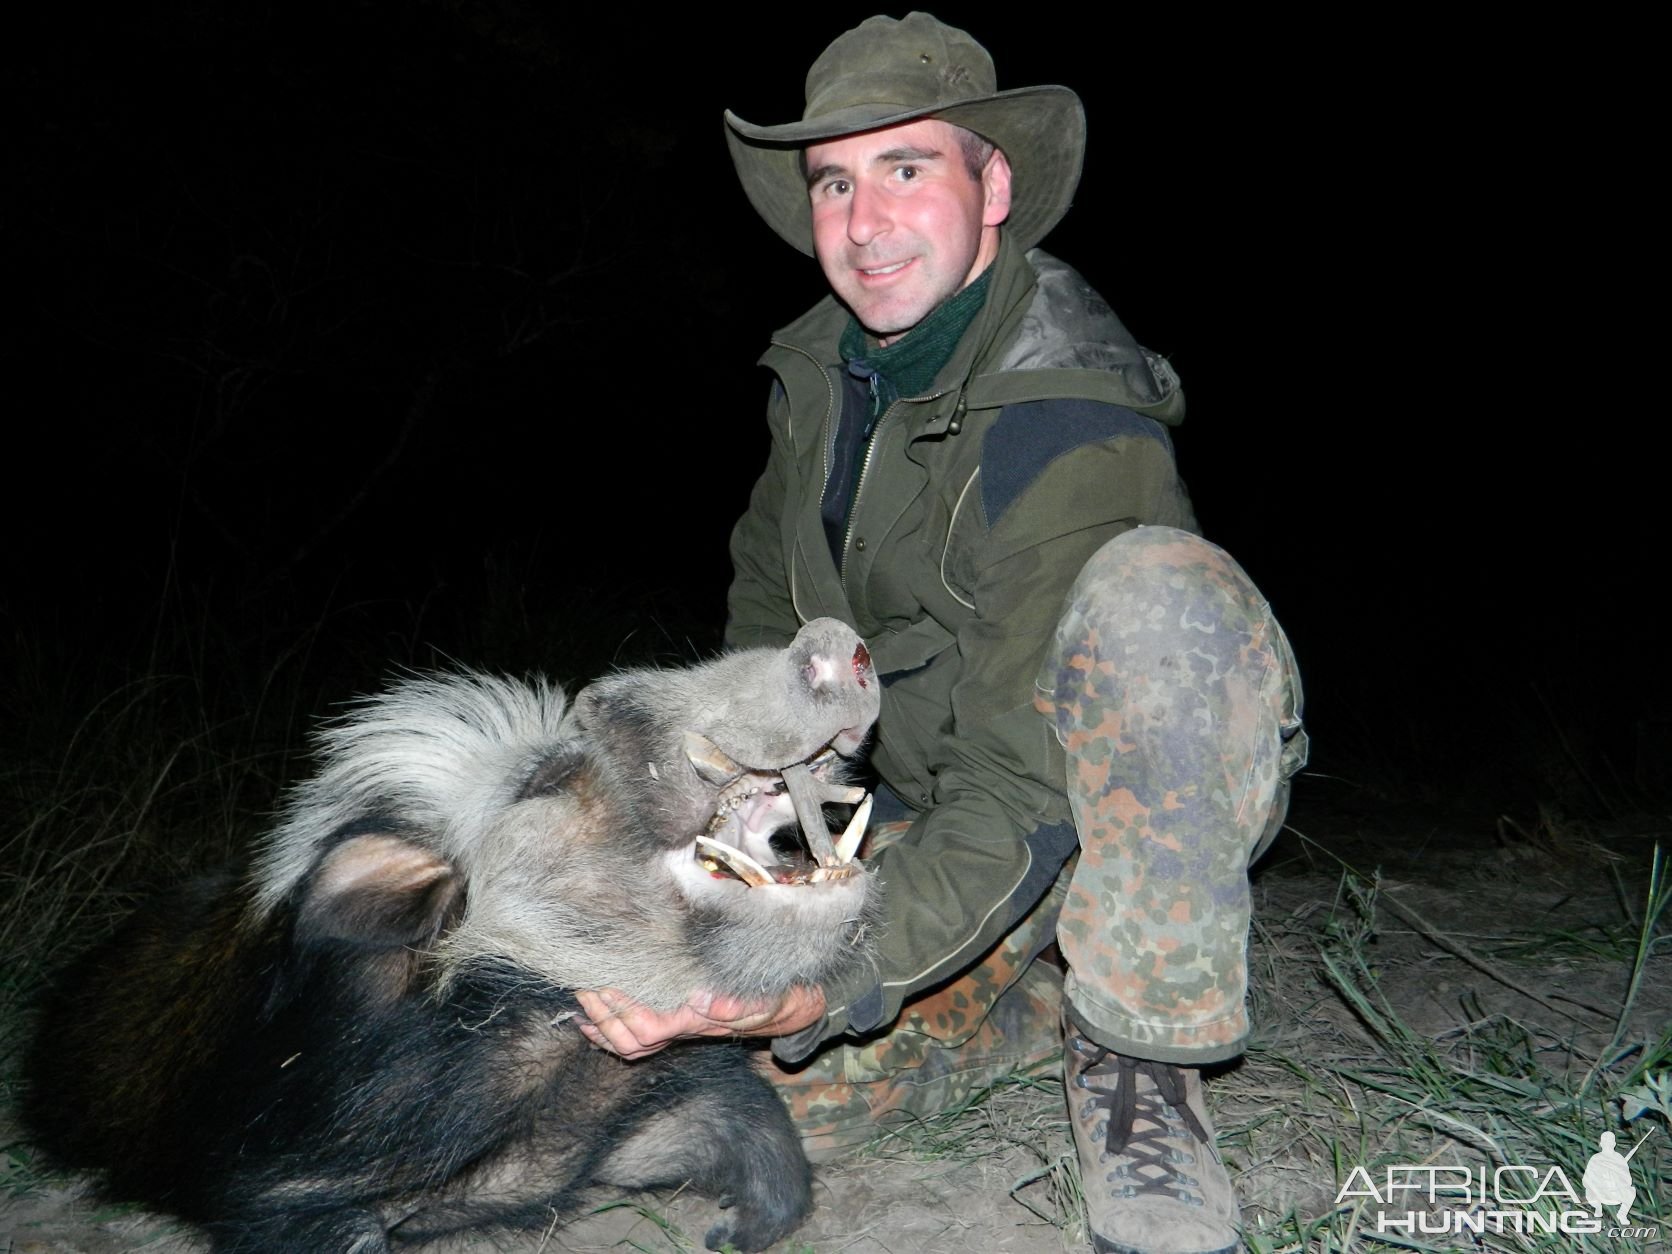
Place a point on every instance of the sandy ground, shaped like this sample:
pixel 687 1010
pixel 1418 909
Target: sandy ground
pixel 864 1205
pixel 997 1193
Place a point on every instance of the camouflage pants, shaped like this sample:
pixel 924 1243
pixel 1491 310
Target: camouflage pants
pixel 1176 698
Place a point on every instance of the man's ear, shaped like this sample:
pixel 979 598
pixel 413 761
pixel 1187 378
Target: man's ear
pixel 995 183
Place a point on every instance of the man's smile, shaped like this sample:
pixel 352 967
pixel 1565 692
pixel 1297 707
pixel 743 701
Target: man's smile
pixel 883 272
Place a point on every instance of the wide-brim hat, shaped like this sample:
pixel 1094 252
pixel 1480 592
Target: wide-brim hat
pixel 887 71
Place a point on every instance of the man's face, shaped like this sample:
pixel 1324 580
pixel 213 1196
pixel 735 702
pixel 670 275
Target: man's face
pixel 898 222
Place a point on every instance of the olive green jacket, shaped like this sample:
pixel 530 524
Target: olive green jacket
pixel 1043 437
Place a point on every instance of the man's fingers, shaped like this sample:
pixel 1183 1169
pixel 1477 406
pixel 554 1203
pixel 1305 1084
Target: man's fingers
pixel 591 1033
pixel 625 1027
pixel 611 1026
pixel 634 1030
pixel 722 1010
pixel 799 1008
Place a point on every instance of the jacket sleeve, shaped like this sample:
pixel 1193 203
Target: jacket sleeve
pixel 759 610
pixel 998 828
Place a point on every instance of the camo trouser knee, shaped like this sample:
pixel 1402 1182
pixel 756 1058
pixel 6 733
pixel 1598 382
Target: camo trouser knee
pixel 1176 696
pixel 1002 1017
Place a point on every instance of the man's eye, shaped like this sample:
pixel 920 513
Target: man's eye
pixel 836 187
pixel 906 173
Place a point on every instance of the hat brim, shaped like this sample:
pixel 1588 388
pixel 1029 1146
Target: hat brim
pixel 1042 131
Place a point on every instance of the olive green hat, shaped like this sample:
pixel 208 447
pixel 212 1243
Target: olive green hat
pixel 887 71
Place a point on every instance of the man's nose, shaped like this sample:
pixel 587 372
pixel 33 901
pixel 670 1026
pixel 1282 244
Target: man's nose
pixel 867 213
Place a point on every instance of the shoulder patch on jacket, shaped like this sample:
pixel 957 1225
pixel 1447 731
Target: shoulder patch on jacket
pixel 1029 436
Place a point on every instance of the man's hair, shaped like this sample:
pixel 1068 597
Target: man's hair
pixel 976 149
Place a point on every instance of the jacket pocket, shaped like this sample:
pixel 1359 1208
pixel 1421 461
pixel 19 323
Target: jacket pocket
pixel 908 650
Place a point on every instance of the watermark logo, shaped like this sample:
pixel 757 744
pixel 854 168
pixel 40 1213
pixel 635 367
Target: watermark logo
pixel 1607 1177
pixel 1518 1198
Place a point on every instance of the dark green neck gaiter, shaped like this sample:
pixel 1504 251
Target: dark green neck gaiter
pixel 909 365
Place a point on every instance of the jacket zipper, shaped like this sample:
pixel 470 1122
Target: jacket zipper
pixel 859 485
pixel 828 438
pixel 865 465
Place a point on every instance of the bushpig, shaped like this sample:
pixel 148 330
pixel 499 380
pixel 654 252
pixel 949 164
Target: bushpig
pixel 369 1041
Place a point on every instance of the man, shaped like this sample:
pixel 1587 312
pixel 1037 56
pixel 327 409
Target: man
pixel 971 465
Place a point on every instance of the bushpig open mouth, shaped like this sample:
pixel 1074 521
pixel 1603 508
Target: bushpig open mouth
pixel 753 805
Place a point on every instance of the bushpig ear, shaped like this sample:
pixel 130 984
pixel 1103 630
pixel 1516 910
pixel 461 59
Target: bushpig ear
pixel 588 705
pixel 378 892
pixel 553 773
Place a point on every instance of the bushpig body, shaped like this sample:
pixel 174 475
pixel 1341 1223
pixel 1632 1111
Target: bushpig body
pixel 368 1042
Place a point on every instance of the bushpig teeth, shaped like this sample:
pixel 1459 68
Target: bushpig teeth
pixel 710 761
pixel 848 844
pixel 748 870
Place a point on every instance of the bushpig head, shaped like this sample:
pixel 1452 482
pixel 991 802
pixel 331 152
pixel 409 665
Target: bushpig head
pixel 642 839
pixel 367 1043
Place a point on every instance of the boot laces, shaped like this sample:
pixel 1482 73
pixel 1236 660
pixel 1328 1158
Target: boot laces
pixel 1143 1121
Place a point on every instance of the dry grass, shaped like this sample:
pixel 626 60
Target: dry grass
pixel 1361 1071
pixel 1526 1073
pixel 141 786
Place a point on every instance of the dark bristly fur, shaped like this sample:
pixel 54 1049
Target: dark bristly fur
pixel 369 1043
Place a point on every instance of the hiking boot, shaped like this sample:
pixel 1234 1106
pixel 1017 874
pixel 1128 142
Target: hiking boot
pixel 1152 1179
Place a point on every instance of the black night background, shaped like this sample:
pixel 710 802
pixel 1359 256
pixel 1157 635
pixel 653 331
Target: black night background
pixel 352 339
pixel 355 337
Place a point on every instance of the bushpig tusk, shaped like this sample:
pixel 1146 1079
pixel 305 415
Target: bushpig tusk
pixel 710 761
pixel 748 870
pixel 848 844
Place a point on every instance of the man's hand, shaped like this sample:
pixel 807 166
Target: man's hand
pixel 625 1027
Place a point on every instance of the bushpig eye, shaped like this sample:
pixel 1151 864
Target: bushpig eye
pixel 553 774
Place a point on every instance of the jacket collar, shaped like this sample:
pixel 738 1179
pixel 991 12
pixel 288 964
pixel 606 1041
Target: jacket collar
pixel 818 332
pixel 1043 332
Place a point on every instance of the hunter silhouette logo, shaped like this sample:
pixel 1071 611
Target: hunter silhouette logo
pixel 1516 1198
pixel 1607 1177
